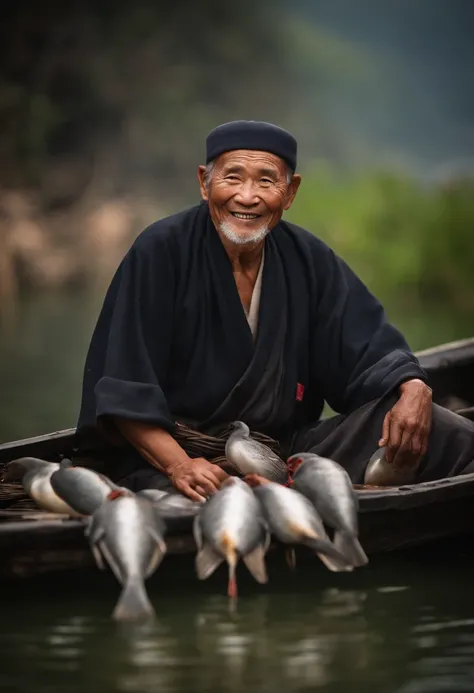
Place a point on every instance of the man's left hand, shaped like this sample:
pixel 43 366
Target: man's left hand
pixel 407 425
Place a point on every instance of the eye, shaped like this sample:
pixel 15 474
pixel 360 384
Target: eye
pixel 231 176
pixel 267 181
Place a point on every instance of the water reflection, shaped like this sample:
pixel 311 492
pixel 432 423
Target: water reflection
pixel 41 362
pixel 368 632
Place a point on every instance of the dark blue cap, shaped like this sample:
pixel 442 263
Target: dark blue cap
pixel 251 134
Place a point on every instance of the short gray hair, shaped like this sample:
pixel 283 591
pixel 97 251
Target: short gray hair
pixel 208 173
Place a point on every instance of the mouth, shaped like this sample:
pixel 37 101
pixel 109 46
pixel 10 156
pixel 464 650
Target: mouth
pixel 293 463
pixel 245 217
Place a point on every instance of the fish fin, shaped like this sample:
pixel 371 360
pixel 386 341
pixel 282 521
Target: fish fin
pixel 274 467
pixel 155 560
pixel 157 536
pixel 133 602
pixel 98 557
pixel 160 524
pixel 290 556
pixel 332 558
pixel 268 538
pixel 333 565
pixel 88 525
pixel 94 532
pixel 255 562
pixel 111 561
pixel 350 547
pixel 197 533
pixel 207 560
pixel 151 494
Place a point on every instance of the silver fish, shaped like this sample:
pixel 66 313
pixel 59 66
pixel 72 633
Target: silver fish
pixel 172 504
pixel 230 526
pixel 129 534
pixel 248 456
pixel 176 505
pixel 293 519
pixel 329 488
pixel 379 472
pixel 152 494
pixel 35 475
pixel 82 489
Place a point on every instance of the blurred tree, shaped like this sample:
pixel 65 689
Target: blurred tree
pixel 412 244
pixel 120 93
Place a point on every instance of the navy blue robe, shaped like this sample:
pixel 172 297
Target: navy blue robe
pixel 172 341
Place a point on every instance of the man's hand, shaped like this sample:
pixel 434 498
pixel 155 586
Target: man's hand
pixel 407 425
pixel 197 478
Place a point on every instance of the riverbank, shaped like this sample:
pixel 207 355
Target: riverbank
pixel 80 246
pixel 42 356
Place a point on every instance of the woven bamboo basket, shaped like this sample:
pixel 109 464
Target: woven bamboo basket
pixel 195 443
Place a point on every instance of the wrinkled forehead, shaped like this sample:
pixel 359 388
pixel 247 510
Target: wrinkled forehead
pixel 251 161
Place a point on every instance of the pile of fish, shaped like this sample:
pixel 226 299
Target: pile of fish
pixel 127 530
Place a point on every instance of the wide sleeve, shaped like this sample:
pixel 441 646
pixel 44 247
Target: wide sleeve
pixel 358 355
pixel 127 361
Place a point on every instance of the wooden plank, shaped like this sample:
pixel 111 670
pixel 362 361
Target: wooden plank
pixel 47 446
pixel 53 547
pixel 417 495
pixel 390 518
pixel 447 355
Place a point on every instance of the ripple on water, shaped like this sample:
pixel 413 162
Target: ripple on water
pixel 365 633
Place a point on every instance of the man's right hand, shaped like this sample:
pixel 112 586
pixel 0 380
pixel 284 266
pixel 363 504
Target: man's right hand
pixel 197 478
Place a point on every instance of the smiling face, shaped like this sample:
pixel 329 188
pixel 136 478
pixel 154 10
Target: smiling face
pixel 247 194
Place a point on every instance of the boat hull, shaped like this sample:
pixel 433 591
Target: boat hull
pixel 390 518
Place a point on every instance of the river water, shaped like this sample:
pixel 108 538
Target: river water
pixel 42 357
pixel 403 624
pixel 41 362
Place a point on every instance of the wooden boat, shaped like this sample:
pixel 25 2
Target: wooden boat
pixel 390 518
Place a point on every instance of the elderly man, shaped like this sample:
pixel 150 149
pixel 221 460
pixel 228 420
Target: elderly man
pixel 224 311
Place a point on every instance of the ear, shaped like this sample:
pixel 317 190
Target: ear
pixel 201 174
pixel 292 190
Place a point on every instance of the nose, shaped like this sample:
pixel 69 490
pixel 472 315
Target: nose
pixel 247 194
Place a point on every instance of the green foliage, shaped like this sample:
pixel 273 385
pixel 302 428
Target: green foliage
pixel 130 89
pixel 411 244
pixel 119 96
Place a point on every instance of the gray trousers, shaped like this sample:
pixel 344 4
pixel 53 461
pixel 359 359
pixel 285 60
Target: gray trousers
pixel 351 439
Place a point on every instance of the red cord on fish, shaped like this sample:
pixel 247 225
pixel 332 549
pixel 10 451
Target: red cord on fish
pixel 232 588
pixel 113 495
pixel 292 464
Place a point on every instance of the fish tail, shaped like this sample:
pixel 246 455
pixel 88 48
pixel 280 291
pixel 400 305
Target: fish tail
pixel 332 557
pixel 349 545
pixel 232 585
pixel 290 556
pixel 231 557
pixel 133 602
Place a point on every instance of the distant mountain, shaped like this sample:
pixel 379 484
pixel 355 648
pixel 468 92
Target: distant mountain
pixel 418 106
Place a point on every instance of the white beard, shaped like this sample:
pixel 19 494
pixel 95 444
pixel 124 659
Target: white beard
pixel 257 236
